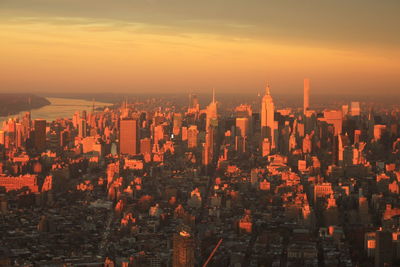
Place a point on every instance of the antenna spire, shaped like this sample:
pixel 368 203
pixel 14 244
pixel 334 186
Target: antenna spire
pixel 213 96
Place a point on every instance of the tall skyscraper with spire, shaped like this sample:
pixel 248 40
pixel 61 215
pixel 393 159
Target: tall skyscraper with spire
pixel 212 111
pixel 306 95
pixel 211 131
pixel 267 117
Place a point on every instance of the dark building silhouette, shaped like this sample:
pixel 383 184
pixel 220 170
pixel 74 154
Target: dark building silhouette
pixel 383 251
pixel 40 134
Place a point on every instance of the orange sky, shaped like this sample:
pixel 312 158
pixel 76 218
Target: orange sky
pixel 53 49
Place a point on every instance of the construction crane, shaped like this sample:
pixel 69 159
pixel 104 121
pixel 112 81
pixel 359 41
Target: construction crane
pixel 212 253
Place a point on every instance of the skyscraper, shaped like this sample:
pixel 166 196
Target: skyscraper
pixel 2 137
pixel 242 127
pixel 383 250
pixel 177 123
pixel 40 134
pixel 128 137
pixel 306 96
pixel 355 109
pixel 242 132
pixel 183 250
pixel 192 136
pixel 193 102
pixel 267 117
pixel 212 111
pixel 82 128
pixel 145 146
pixel 19 135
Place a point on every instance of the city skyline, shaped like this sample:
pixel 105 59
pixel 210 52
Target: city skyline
pixel 172 133
pixel 177 46
pixel 152 182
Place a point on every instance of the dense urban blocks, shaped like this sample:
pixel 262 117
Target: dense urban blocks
pixel 162 182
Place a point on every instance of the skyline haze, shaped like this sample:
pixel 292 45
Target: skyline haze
pixel 177 46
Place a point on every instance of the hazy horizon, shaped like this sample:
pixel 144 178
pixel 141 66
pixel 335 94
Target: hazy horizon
pixel 181 46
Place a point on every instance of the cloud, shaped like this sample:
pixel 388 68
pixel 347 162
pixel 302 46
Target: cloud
pixel 358 23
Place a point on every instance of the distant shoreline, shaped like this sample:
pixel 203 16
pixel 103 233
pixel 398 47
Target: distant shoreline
pixel 12 104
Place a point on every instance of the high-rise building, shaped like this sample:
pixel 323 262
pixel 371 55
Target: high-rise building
pixel 383 250
pixel 183 250
pixel 212 111
pixel 75 119
pixel 145 146
pixel 82 128
pixel 306 104
pixel 2 137
pixel 177 124
pixel 184 133
pixel 19 135
pixel 267 117
pixel 158 133
pixel 335 118
pixel 40 134
pixel 242 127
pixel 192 136
pixel 355 109
pixel 242 132
pixel 193 103
pixel 265 147
pixel 128 137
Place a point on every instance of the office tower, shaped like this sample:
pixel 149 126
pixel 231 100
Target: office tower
pixel 192 136
pixel 383 250
pixel 64 138
pixel 345 110
pixel 128 137
pixel 240 144
pixel 145 146
pixel 193 103
pixel 357 136
pixel 82 128
pixel 284 138
pixel 212 112
pixel 84 115
pixel 27 123
pixel 124 110
pixel 245 111
pixel 40 134
pixel 242 132
pixel 2 137
pixel 307 144
pixel 267 117
pixel 265 147
pixel 183 250
pixel 177 123
pixel 306 96
pixel 242 127
pixel 158 133
pixel 75 119
pixel 208 149
pixel 19 135
pixel 211 131
pixel 355 109
pixel 184 133
pixel 334 117
pixel 379 131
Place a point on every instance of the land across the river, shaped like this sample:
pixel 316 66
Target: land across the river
pixel 11 104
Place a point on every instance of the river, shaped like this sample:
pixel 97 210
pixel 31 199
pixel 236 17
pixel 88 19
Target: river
pixel 59 108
